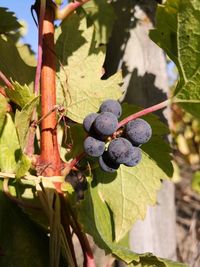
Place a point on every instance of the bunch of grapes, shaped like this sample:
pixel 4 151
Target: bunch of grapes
pixel 112 151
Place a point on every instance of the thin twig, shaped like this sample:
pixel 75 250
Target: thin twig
pixel 74 162
pixel 143 112
pixel 5 80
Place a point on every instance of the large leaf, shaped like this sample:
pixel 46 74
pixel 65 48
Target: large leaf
pixel 79 85
pixel 96 219
pixel 3 107
pixel 21 95
pixel 129 192
pixel 22 243
pixel 100 13
pixel 14 63
pixel 9 147
pixel 8 21
pixel 177 32
pixel 23 119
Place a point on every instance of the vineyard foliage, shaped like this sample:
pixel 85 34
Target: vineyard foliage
pixel 112 202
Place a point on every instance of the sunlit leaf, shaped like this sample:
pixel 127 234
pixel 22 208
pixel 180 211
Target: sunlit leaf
pixel 177 32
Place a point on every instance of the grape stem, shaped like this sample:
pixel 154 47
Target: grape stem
pixel 143 112
pixel 73 163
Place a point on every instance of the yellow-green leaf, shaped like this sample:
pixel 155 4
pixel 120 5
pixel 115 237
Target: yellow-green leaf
pixel 3 105
pixel 177 32
pixel 23 119
pixel 79 84
pixel 20 95
pixel 129 192
pixel 9 147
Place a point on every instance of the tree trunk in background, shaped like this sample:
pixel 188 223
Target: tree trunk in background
pixel 145 83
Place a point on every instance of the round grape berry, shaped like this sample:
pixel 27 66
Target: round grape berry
pixel 112 106
pixel 93 147
pixel 106 164
pixel 120 150
pixel 135 157
pixel 88 121
pixel 138 131
pixel 105 124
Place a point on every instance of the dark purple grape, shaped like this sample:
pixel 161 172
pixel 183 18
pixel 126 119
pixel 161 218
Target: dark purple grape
pixel 106 164
pixel 93 147
pixel 138 131
pixel 112 106
pixel 88 121
pixel 105 124
pixel 135 157
pixel 120 150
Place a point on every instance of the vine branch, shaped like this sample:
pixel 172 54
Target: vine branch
pixel 143 112
pixel 40 42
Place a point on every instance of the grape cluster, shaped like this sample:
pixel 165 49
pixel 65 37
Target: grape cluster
pixel 124 149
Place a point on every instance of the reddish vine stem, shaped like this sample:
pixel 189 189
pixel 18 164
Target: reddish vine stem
pixel 49 145
pixel 74 162
pixel 5 80
pixel 143 112
pixel 40 42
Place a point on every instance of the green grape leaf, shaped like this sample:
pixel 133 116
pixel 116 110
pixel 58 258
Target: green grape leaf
pixel 14 63
pixel 8 21
pixel 9 147
pixel 100 14
pixel 96 218
pixel 3 107
pixel 177 33
pixel 21 95
pixel 117 190
pixel 157 142
pixel 22 242
pixel 23 119
pixel 79 85
pixel 149 260
pixel 23 165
